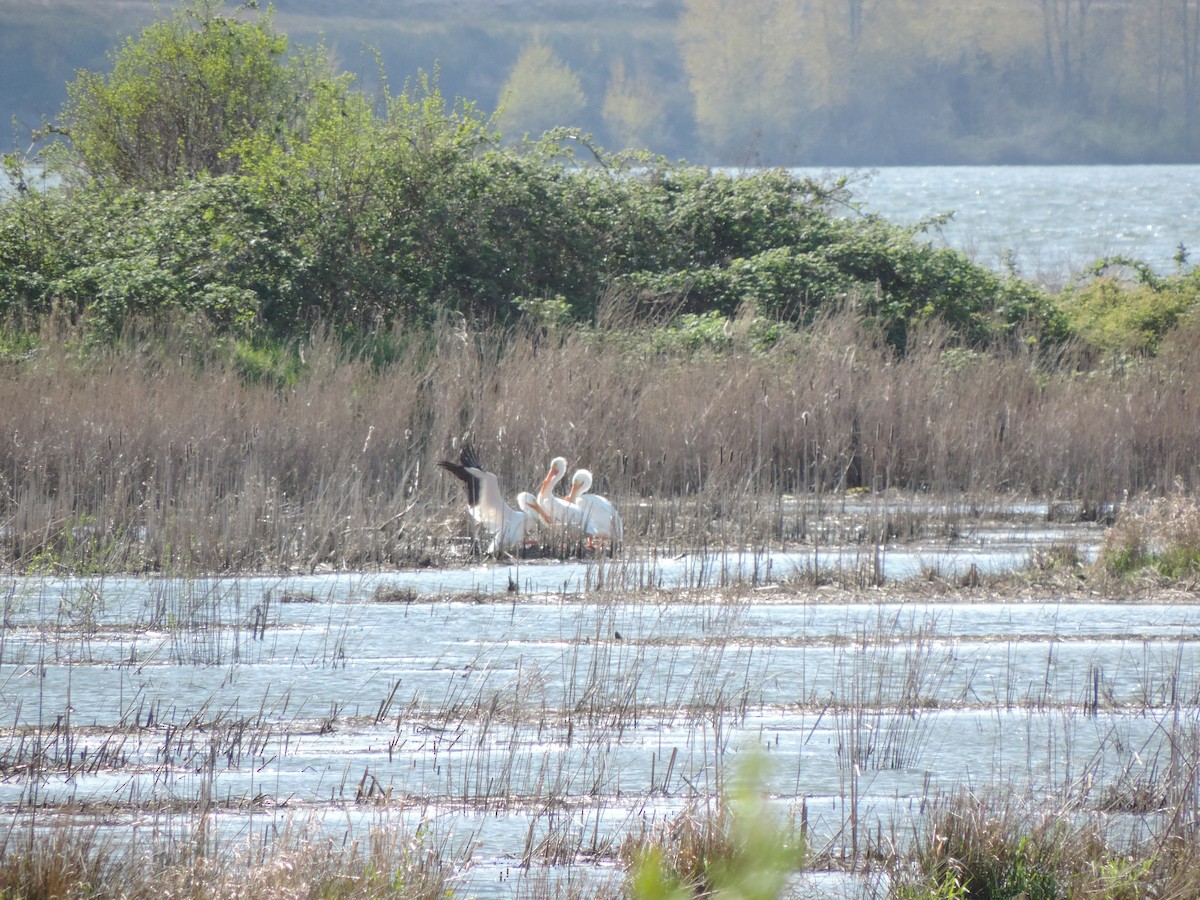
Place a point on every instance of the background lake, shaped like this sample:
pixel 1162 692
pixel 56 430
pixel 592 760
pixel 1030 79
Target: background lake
pixel 1055 220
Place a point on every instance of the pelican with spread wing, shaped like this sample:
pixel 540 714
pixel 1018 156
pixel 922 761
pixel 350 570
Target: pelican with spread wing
pixel 486 504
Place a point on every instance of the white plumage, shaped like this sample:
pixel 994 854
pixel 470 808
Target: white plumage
pixel 601 519
pixel 560 510
pixel 486 504
pixel 591 515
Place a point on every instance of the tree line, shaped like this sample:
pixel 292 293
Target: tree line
pixel 219 173
pixel 777 82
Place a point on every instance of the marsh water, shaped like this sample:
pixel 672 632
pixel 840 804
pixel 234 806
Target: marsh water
pixel 1048 221
pixel 527 716
pixel 530 715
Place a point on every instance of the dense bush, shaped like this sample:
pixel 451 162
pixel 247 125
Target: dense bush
pixel 295 199
pixel 183 95
pixel 1121 306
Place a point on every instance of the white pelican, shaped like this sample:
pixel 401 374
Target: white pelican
pixel 560 510
pixel 486 503
pixel 601 519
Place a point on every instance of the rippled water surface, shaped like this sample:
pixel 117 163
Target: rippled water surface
pixel 536 728
pixel 1054 220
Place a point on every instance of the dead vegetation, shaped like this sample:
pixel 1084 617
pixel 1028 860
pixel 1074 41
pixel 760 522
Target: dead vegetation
pixel 146 458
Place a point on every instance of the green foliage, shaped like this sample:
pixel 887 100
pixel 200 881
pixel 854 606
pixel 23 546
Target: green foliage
pixel 16 345
pixel 211 247
pixel 1120 306
pixel 181 96
pixel 892 277
pixel 692 332
pixel 541 93
pixel 743 63
pixel 945 886
pixel 546 312
pixel 266 362
pixel 743 853
pixel 293 199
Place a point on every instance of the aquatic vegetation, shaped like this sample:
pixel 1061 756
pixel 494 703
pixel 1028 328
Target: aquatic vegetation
pixel 592 737
pixel 1162 537
pixel 161 455
pixel 91 863
pixel 732 846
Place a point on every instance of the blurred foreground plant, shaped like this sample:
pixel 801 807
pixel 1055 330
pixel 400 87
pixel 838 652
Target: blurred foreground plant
pixel 740 850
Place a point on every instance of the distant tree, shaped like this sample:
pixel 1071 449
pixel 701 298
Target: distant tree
pixel 1066 34
pixel 182 95
pixel 635 111
pixel 1146 57
pixel 542 92
pixel 743 62
pixel 918 78
pixel 1185 25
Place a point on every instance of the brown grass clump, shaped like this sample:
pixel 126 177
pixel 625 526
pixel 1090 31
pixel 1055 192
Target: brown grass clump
pixel 1161 539
pixel 70 862
pixel 61 863
pixel 1002 847
pixel 685 847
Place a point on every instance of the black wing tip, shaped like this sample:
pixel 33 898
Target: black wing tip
pixel 456 470
pixel 467 478
pixel 468 457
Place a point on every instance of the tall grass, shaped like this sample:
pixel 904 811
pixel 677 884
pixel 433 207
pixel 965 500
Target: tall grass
pixel 1162 537
pixel 87 862
pixel 1000 846
pixel 156 455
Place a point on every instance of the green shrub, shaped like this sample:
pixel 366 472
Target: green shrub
pixel 1121 306
pixel 210 247
pixel 292 199
pixel 182 95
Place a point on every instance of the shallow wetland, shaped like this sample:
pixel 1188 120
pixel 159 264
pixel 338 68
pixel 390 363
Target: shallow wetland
pixel 526 718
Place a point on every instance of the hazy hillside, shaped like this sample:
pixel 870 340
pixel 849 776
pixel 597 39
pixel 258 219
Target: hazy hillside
pixel 473 43
pixel 825 82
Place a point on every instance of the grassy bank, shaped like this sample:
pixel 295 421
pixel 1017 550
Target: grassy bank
pixel 181 452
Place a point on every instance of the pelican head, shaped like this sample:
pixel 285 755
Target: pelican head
pixel 558 468
pixel 581 483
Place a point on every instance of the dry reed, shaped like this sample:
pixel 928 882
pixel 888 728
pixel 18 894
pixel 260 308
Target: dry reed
pixel 87 862
pixel 143 459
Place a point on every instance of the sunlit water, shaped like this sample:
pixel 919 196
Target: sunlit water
pixel 563 714
pixel 1052 221
pixel 541 726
